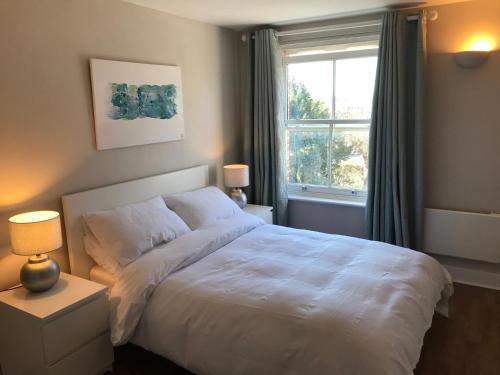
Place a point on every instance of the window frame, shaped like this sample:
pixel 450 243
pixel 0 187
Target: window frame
pixel 326 192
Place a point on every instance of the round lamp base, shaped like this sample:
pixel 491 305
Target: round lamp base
pixel 40 273
pixel 239 197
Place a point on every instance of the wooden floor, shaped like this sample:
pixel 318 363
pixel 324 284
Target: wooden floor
pixel 468 342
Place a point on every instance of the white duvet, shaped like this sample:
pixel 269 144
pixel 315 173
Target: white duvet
pixel 240 297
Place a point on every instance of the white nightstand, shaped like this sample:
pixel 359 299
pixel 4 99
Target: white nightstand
pixel 264 212
pixel 64 330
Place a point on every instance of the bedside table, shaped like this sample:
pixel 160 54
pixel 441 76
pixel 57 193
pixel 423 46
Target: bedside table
pixel 64 330
pixel 264 212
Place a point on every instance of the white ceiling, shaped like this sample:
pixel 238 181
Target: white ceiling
pixel 242 13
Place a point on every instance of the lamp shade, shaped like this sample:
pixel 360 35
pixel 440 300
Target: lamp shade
pixel 35 232
pixel 236 175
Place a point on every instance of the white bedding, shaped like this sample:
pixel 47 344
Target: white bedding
pixel 241 297
pixel 101 276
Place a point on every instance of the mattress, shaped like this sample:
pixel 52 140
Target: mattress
pixel 101 276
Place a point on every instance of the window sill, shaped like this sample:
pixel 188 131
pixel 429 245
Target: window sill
pixel 334 201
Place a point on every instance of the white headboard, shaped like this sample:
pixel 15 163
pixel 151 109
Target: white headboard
pixel 75 205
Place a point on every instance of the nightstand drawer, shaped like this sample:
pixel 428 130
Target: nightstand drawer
pixel 75 328
pixel 94 358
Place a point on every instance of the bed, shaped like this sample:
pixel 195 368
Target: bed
pixel 243 297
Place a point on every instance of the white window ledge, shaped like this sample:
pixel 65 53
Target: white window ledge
pixel 334 201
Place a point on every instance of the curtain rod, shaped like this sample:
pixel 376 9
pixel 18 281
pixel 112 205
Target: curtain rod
pixel 344 26
pixel 432 15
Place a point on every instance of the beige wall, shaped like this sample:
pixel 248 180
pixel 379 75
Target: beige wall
pixel 463 109
pixel 47 146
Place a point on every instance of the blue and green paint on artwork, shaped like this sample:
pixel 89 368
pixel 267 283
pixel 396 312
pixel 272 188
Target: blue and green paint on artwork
pixel 130 102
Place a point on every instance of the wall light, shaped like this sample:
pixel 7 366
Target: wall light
pixel 475 52
pixel 471 59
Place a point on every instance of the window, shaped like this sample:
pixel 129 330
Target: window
pixel 328 122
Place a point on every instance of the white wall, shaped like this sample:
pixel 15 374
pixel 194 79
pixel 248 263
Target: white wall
pixel 47 146
pixel 463 112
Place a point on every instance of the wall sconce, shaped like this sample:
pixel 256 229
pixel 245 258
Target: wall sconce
pixel 471 59
pixel 475 54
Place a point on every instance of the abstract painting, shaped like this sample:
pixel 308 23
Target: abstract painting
pixel 136 104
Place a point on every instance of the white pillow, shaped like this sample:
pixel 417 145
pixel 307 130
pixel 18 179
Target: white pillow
pixel 124 233
pixel 98 253
pixel 203 206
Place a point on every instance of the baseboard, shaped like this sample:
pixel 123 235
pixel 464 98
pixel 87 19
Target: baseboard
pixel 474 277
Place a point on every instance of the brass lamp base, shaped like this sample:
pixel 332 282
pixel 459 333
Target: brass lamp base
pixel 40 273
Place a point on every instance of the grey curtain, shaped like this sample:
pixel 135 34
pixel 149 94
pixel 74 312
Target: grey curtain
pixel 395 177
pixel 265 123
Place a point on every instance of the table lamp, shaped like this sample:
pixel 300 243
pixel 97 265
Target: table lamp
pixel 236 177
pixel 34 234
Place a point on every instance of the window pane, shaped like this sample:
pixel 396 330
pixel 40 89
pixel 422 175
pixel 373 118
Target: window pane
pixel 310 90
pixel 307 155
pixel 355 81
pixel 350 158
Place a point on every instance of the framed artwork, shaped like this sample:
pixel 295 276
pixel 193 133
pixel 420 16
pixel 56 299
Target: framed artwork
pixel 136 104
